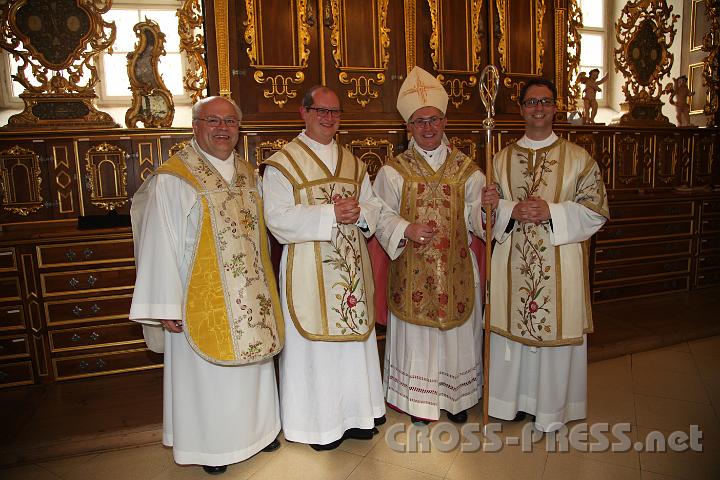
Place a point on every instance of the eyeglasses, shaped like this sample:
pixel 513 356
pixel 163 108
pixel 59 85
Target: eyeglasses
pixel 324 112
pixel 216 121
pixel 424 122
pixel 534 102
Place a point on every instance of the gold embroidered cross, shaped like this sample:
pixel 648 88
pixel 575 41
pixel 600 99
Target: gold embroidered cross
pixel 421 89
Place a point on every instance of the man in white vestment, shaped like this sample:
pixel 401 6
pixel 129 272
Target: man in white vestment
pixel 552 201
pixel 204 275
pixel 320 206
pixel 433 347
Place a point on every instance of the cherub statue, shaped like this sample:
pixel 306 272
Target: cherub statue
pixel 592 86
pixel 679 94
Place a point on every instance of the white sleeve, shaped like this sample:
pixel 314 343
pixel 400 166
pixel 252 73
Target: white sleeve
pixel 390 232
pixel 572 223
pixel 291 223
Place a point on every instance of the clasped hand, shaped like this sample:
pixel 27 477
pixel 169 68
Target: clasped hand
pixel 532 210
pixel 347 210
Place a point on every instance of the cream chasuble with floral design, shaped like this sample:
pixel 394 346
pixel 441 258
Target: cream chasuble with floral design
pixel 232 313
pixel 329 284
pixel 539 292
pixel 433 284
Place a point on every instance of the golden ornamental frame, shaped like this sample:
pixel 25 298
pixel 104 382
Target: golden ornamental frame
pixel 192 42
pixel 34 180
pixel 644 32
pixel 362 78
pixel 94 181
pixel 58 58
pixel 459 83
pixel 575 23
pixel 152 102
pixel 281 84
pixel 370 158
pixel 711 64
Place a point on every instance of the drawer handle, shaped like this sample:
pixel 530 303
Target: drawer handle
pixel 598 272
pixel 94 336
pixel 83 364
pixel 3 376
pixel 92 280
pixel 78 310
pixel 87 253
pixel 70 255
pixel 74 282
pixel 75 337
pixel 599 250
pixel 100 363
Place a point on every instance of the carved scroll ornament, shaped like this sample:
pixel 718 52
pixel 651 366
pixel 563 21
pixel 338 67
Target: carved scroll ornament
pixel 152 102
pixel 575 23
pixel 644 33
pixel 361 79
pixel 711 64
pixel 192 42
pixel 57 43
pixel 283 79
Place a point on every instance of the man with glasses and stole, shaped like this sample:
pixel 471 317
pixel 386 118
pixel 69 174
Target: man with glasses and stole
pixel 552 201
pixel 204 274
pixel 433 355
pixel 320 205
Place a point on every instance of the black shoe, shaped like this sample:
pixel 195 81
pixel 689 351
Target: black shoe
pixel 460 417
pixel 519 416
pixel 327 446
pixel 417 420
pixel 272 446
pixel 215 470
pixel 360 433
pixel 379 421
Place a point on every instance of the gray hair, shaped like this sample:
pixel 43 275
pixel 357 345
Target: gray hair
pixel 199 104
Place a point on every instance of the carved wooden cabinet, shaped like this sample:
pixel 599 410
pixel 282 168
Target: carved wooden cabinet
pixel 15 355
pixel 707 272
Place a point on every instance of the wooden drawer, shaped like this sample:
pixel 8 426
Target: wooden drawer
pixel 80 366
pixel 627 290
pixel 12 374
pixel 87 281
pixel 641 231
pixel 129 333
pixel 710 244
pixel 711 207
pixel 653 211
pixel 86 252
pixel 9 289
pixel 708 279
pixel 612 253
pixel 8 262
pixel 14 346
pixel 12 317
pixel 708 261
pixel 710 225
pixel 625 271
pixel 66 312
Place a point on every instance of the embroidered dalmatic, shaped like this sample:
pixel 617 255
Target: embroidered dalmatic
pixel 212 414
pixel 432 284
pixel 326 387
pixel 540 289
pixel 329 284
pixel 232 310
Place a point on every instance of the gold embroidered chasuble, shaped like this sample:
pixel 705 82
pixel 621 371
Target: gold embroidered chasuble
pixel 540 293
pixel 231 309
pixel 329 284
pixel 433 284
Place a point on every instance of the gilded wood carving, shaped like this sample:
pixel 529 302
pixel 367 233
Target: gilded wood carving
pixel 644 33
pixel 459 79
pixel 58 40
pixel 575 23
pixel 20 181
pixel 192 42
pixel 375 152
pixel 106 176
pixel 361 78
pixel 711 64
pixel 264 150
pixel 152 102
pixel 281 81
